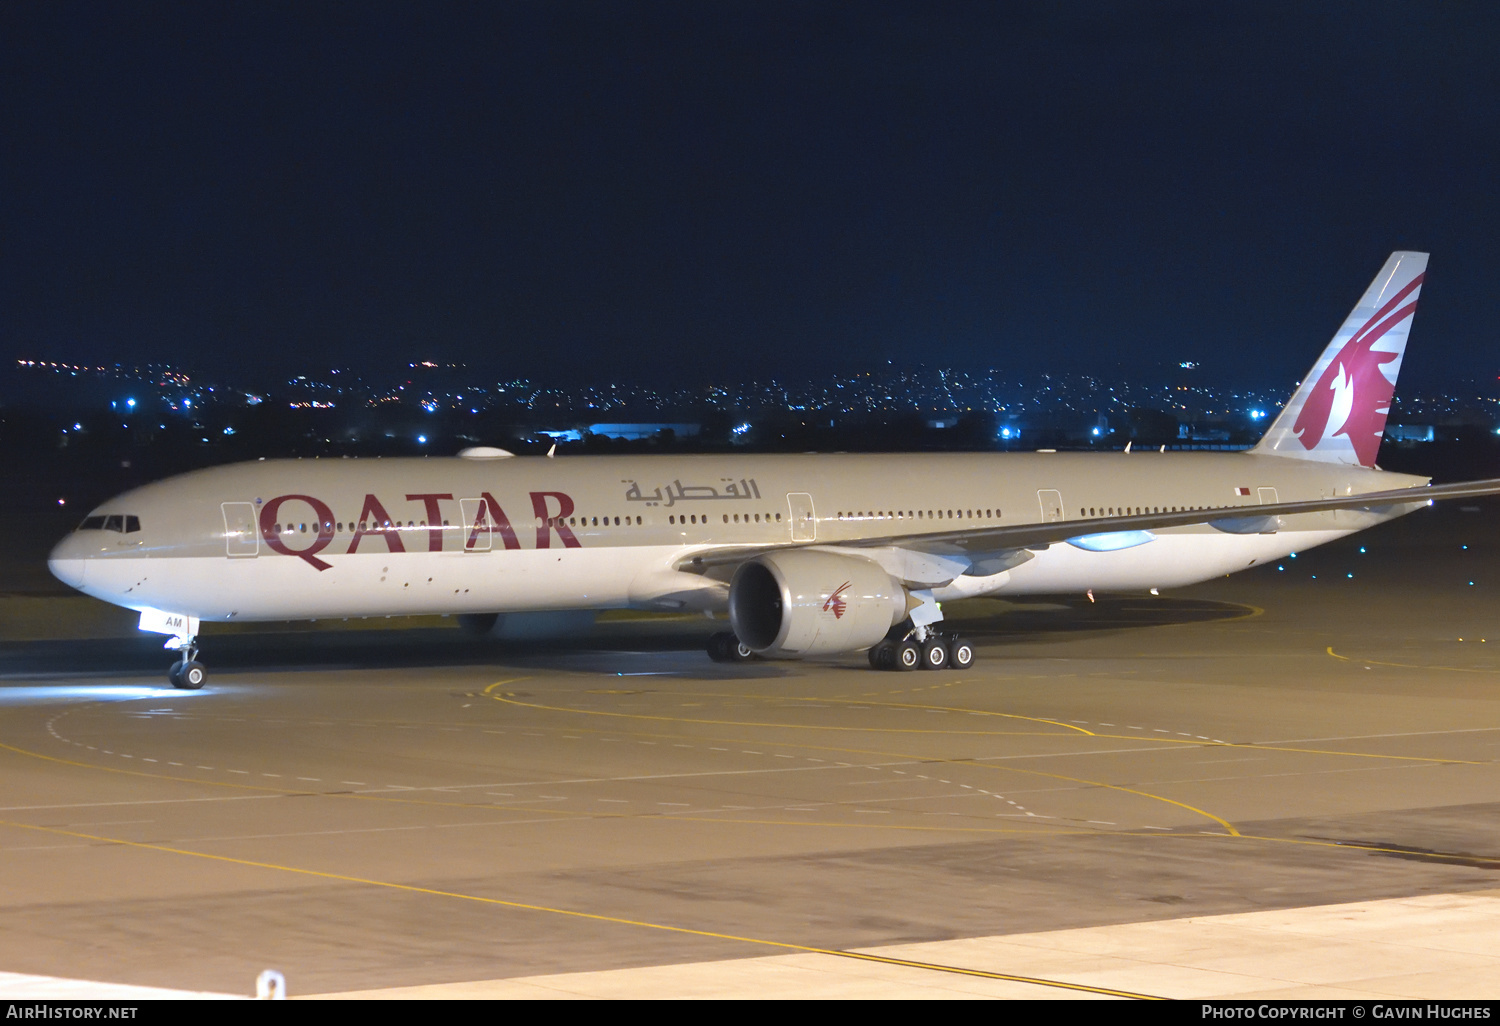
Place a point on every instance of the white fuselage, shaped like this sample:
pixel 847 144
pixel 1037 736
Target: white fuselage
pixel 311 539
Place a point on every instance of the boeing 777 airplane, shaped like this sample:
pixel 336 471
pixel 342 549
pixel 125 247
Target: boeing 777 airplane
pixel 809 555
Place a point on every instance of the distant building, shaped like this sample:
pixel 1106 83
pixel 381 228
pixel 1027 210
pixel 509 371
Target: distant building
pixel 644 430
pixel 629 431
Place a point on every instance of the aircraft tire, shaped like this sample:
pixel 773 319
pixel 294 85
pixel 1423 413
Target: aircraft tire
pixel 907 656
pixel 935 653
pixel 880 655
pixel 960 654
pixel 725 647
pixel 718 646
pixel 191 677
pixel 174 674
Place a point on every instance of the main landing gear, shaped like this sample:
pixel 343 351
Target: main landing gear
pixel 187 673
pixel 921 648
pixel 724 647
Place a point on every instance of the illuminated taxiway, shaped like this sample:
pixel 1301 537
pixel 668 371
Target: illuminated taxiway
pixel 398 811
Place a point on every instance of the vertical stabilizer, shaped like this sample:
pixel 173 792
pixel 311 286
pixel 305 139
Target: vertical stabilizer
pixel 1338 415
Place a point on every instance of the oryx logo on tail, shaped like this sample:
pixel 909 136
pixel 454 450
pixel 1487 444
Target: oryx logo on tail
pixel 1338 414
pixel 1354 392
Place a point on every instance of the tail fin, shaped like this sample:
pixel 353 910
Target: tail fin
pixel 1338 415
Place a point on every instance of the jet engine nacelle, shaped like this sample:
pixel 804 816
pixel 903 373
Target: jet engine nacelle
pixel 801 603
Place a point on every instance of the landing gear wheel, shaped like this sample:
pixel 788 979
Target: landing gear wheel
pixel 960 654
pixel 188 676
pixel 935 653
pixel 882 655
pixel 908 656
pixel 724 647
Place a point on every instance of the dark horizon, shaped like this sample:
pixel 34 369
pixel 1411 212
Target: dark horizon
pixel 680 193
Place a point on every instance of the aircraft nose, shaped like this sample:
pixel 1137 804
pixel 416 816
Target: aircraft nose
pixel 68 562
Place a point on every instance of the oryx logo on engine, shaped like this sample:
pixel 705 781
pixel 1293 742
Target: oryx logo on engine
pixel 836 604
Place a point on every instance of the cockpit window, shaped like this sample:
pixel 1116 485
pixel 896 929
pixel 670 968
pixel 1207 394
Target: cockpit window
pixel 125 523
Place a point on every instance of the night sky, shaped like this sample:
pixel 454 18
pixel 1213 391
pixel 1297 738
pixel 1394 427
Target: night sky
pixel 684 192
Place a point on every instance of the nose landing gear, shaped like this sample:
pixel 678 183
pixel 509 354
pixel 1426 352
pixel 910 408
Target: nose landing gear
pixel 187 674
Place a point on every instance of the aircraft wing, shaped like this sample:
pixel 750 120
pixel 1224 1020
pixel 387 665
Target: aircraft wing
pixel 992 540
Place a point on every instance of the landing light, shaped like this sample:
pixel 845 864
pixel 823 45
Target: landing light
pixel 1111 541
pixel 122 692
pixel 422 439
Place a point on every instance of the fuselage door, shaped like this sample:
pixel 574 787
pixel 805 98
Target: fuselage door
pixel 804 521
pixel 477 525
pixel 1052 507
pixel 241 533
